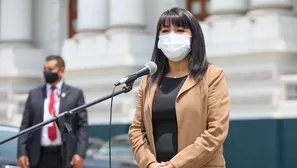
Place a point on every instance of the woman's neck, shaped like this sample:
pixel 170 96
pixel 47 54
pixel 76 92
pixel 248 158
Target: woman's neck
pixel 178 69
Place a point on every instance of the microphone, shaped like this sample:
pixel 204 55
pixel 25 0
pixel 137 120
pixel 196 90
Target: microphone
pixel 149 68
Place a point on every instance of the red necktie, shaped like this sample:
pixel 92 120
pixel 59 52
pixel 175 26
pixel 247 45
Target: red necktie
pixel 52 130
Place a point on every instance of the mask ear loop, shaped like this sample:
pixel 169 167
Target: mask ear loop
pixel 191 43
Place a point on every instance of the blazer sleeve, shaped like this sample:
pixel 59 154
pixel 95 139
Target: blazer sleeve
pixel 25 123
pixel 205 146
pixel 82 128
pixel 142 151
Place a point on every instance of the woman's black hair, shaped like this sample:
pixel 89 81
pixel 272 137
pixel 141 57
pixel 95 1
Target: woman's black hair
pixel 198 63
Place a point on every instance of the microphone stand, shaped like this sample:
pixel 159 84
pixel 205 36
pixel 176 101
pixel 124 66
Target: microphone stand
pixel 63 120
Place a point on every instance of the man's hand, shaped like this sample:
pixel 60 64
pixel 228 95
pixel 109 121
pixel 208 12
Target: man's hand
pixel 77 161
pixel 23 161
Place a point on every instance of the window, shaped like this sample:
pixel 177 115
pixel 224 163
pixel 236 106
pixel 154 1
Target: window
pixel 199 8
pixel 72 17
pixel 291 90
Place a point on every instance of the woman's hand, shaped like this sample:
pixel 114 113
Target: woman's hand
pixel 154 165
pixel 165 165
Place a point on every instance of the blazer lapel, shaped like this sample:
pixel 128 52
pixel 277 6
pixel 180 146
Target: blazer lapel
pixel 148 101
pixel 63 98
pixel 150 97
pixel 188 84
pixel 41 97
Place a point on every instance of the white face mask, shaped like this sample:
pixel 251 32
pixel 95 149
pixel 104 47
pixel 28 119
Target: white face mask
pixel 175 46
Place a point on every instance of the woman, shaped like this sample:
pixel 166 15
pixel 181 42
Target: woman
pixel 182 113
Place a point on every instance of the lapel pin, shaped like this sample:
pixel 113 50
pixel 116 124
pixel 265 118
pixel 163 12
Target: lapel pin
pixel 63 94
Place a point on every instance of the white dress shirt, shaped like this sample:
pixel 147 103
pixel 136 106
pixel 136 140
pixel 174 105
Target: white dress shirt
pixel 45 141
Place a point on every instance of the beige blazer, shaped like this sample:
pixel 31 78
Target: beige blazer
pixel 202 112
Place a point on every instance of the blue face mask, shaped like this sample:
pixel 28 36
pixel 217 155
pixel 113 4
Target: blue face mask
pixel 175 46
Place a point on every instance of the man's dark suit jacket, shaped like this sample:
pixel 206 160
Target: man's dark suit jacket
pixel 77 140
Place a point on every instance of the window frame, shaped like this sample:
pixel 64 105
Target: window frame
pixel 203 8
pixel 72 16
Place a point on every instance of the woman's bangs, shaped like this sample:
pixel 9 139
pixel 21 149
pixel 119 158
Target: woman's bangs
pixel 173 19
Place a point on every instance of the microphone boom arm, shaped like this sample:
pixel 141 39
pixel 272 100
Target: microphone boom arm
pixel 127 79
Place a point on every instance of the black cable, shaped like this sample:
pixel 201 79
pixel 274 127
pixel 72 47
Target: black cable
pixel 109 128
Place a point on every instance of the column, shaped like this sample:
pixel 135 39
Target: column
pixel 126 15
pixel 23 62
pixel 225 27
pixel 277 19
pixel 219 9
pixel 16 20
pixel 270 6
pixel 90 40
pixel 92 15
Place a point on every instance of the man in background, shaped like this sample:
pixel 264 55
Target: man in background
pixel 42 148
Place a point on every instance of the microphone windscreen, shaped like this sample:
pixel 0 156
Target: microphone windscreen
pixel 152 66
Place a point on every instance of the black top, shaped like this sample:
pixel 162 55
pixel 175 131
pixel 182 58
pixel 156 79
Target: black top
pixel 164 118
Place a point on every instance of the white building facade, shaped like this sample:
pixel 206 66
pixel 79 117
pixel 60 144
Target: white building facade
pixel 255 41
